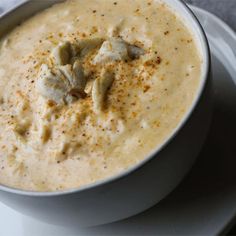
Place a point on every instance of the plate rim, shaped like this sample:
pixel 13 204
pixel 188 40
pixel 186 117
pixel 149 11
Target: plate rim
pixel 231 223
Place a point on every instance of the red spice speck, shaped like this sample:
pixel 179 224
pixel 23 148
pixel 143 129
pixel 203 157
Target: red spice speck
pixel 159 60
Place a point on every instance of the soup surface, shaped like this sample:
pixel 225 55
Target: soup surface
pixel 89 88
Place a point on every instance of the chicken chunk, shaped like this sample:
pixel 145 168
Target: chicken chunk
pixel 67 53
pixel 61 84
pixel 51 84
pixel 79 79
pixel 117 50
pixel 100 89
pixel 62 53
pixel 86 45
pixel 111 50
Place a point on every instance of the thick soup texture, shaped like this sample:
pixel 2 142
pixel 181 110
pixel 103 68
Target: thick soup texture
pixel 89 88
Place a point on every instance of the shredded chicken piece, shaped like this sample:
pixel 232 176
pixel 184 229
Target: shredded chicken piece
pixel 79 80
pixel 111 50
pixel 63 84
pixel 116 50
pixel 52 84
pixel 62 53
pixel 100 89
pixel 86 45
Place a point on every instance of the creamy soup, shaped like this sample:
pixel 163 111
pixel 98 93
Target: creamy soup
pixel 89 88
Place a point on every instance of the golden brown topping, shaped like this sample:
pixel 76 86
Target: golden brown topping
pixel 21 129
pixel 45 133
pixel 146 88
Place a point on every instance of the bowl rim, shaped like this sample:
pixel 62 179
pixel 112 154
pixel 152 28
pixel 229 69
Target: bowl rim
pixel 205 76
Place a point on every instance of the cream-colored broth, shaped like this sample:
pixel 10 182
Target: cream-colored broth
pixel 48 145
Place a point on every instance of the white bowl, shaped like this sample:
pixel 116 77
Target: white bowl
pixel 143 185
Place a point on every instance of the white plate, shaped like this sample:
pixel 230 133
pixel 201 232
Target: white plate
pixel 205 203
